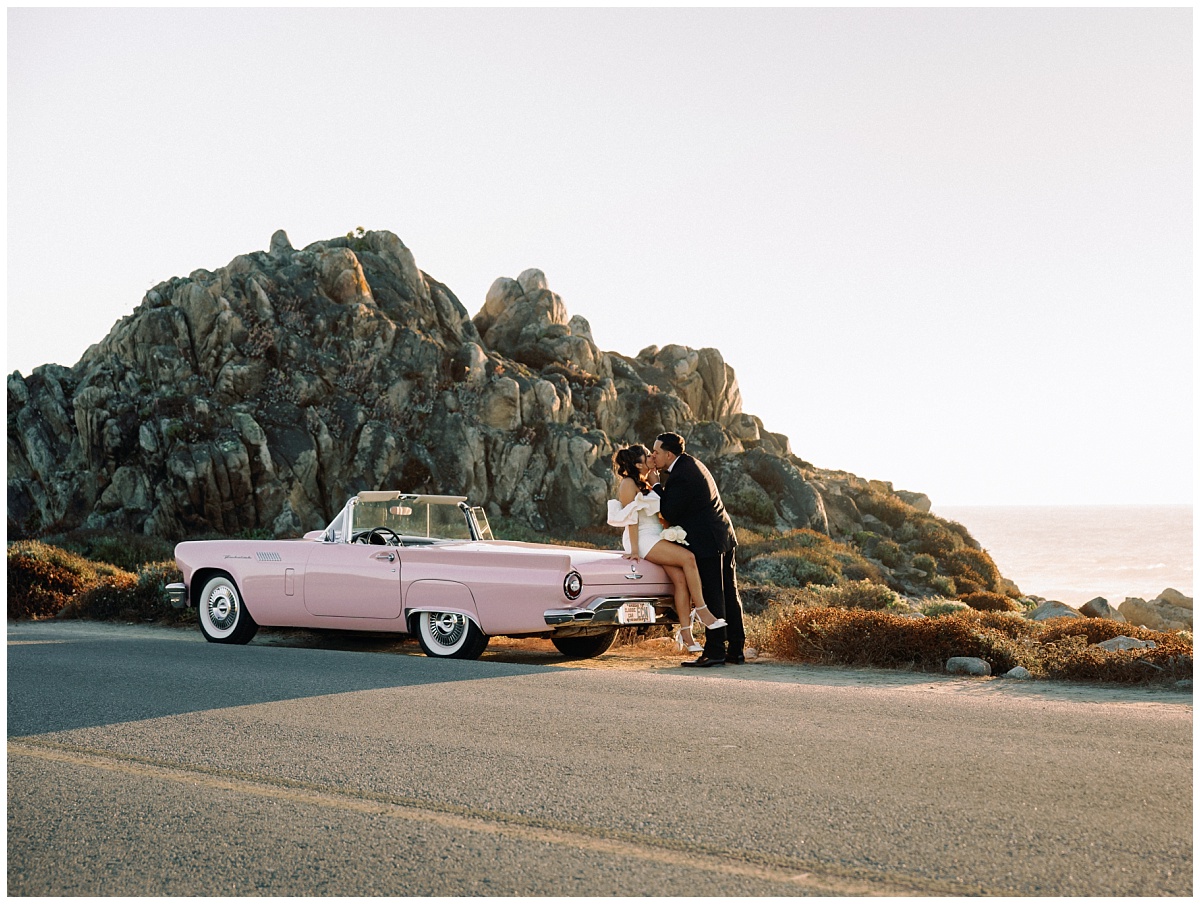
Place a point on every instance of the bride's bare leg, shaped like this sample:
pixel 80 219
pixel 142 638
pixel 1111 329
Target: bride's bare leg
pixel 683 600
pixel 666 553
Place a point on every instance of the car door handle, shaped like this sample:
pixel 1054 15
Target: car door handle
pixel 385 556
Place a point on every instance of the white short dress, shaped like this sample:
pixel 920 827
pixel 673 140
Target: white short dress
pixel 641 513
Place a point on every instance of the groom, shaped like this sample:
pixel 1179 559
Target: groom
pixel 690 500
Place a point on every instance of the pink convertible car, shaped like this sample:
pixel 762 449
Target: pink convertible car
pixel 424 565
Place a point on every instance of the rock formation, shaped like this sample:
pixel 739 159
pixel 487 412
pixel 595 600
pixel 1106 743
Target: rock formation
pixel 1169 611
pixel 263 394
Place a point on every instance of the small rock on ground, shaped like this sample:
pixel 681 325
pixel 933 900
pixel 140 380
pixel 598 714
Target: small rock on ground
pixel 967 665
pixel 1121 642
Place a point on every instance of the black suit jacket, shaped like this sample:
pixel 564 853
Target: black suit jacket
pixel 690 500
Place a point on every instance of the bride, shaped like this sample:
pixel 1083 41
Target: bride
pixel 636 505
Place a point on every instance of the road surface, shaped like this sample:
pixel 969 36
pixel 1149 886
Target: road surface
pixel 144 761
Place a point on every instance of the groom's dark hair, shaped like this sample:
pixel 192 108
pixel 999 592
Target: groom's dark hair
pixel 672 442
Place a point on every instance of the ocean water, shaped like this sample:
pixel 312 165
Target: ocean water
pixel 1076 553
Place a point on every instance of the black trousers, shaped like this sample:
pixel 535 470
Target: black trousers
pixel 718 582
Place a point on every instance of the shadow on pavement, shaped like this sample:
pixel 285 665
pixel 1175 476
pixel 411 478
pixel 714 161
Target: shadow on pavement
pixel 66 676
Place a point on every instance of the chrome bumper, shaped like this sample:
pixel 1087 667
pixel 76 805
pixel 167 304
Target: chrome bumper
pixel 606 612
pixel 177 594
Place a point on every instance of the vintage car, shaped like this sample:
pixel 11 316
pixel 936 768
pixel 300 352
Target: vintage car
pixel 425 565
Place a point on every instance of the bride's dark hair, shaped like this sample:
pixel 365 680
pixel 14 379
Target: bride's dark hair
pixel 625 463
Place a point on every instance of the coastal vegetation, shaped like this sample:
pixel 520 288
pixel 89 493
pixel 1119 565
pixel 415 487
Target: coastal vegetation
pixel 46 581
pixel 1062 648
pixel 853 621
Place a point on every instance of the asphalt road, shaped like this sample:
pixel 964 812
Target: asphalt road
pixel 143 761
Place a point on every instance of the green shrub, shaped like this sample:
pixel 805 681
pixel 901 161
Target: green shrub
pixel 889 553
pixel 943 585
pixel 856 595
pixel 973 570
pixel 856 568
pixel 794 568
pixel 986 601
pixel 964 534
pixel 925 563
pixel 760 598
pixel 747 537
pixel 801 538
pixel 935 539
pixel 891 510
pixel 944 607
pixel 753 504
pixel 127 551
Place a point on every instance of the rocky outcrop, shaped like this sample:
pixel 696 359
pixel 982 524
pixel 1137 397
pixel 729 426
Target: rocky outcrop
pixel 259 396
pixel 1169 611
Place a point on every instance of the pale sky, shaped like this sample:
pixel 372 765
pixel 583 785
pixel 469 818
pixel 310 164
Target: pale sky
pixel 947 248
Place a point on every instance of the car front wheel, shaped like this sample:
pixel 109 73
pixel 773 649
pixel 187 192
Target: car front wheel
pixel 450 635
pixel 223 616
pixel 586 647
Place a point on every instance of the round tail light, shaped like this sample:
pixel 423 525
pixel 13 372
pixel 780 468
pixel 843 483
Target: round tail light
pixel 573 585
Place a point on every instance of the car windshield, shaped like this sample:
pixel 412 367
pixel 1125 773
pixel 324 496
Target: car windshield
pixel 441 521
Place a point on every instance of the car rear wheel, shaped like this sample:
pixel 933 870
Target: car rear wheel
pixel 586 647
pixel 223 616
pixel 450 635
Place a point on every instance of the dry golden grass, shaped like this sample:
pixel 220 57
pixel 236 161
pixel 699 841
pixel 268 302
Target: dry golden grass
pixel 986 601
pixel 1060 648
pixel 47 582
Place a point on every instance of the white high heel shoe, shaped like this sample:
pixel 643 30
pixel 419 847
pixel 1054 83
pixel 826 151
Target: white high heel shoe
pixel 691 646
pixel 717 623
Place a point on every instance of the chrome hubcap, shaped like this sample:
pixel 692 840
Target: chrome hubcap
pixel 447 628
pixel 222 608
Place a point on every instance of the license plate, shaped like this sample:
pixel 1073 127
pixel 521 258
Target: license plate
pixel 636 614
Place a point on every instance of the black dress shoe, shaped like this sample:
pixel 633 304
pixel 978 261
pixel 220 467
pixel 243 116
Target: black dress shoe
pixel 735 658
pixel 704 662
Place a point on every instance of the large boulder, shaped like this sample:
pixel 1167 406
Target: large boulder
pixel 1169 611
pixel 1099 608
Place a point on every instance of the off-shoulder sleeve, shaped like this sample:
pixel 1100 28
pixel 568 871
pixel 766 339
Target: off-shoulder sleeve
pixel 624 517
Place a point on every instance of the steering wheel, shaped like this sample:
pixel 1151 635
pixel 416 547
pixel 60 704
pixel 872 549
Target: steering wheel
pixel 379 536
